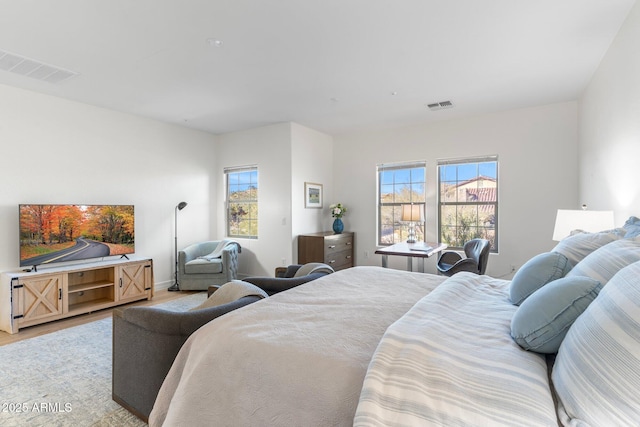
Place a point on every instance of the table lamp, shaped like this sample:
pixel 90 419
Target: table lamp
pixel 590 221
pixel 411 214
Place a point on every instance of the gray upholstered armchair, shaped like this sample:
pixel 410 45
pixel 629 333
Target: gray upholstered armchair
pixel 146 340
pixel 197 270
pixel 476 258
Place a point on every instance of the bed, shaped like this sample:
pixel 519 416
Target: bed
pixel 371 346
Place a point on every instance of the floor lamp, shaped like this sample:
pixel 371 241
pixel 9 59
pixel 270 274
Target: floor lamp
pixel 176 286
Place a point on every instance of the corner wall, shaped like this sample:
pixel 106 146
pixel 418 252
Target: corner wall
pixel 60 151
pixel 269 147
pixel 609 127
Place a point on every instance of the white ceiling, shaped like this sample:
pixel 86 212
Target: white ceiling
pixel 333 65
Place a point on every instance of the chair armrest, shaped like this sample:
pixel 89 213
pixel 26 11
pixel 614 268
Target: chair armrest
pixel 182 323
pixel 465 264
pixel 449 258
pixel 273 285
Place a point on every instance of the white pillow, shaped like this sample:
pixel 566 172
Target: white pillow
pixel 579 245
pixel 603 263
pixel 597 372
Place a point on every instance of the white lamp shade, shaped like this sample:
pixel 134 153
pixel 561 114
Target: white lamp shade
pixel 590 221
pixel 412 213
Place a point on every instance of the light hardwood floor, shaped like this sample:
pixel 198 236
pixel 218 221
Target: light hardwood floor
pixel 46 328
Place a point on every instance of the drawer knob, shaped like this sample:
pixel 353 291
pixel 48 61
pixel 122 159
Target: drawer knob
pixel 348 243
pixel 332 246
pixel 332 261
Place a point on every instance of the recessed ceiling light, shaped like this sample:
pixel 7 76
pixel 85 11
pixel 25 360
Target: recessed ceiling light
pixel 215 42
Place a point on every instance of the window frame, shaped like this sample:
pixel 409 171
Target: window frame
pixel 420 225
pixel 494 204
pixel 252 201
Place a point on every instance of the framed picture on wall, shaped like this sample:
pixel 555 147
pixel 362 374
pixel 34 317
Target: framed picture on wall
pixel 312 195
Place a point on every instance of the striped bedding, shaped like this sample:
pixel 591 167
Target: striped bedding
pixel 450 361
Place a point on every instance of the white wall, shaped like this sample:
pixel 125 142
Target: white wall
pixel 59 151
pixel 311 161
pixel 268 147
pixel 538 173
pixel 609 127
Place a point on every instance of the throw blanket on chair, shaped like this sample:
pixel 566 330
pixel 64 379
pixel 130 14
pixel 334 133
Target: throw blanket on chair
pixel 217 252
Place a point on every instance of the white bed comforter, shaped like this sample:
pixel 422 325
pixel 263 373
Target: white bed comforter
pixel 298 358
pixel 450 361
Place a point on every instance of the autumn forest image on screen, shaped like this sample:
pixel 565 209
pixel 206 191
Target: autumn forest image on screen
pixel 57 233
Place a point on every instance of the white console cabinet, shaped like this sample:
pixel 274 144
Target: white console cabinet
pixel 31 298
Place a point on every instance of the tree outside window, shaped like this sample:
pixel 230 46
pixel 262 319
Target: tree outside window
pixel 468 201
pixel 399 184
pixel 242 202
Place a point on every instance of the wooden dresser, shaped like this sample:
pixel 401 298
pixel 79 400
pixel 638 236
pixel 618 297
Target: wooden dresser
pixel 332 249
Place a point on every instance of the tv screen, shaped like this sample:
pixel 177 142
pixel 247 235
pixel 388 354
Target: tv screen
pixel 61 233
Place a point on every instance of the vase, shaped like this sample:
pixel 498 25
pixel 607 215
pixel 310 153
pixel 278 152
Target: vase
pixel 338 226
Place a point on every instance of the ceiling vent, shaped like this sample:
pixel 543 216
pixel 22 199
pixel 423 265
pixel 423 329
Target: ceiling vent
pixel 31 68
pixel 440 105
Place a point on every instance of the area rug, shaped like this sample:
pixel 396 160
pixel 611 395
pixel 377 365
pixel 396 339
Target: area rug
pixel 64 378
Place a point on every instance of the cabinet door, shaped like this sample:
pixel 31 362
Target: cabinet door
pixel 37 298
pixel 134 280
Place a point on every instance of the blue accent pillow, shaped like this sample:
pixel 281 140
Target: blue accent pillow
pixel 542 321
pixel 633 227
pixel 537 272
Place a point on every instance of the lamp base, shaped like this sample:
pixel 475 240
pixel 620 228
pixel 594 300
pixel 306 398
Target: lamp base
pixel 174 287
pixel 411 238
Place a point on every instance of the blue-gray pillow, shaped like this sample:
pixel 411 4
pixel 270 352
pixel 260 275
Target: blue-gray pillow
pixel 542 321
pixel 632 226
pixel 537 272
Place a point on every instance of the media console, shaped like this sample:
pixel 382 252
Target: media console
pixel 32 298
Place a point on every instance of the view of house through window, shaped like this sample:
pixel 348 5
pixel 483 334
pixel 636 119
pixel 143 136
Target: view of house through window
pixel 399 184
pixel 242 201
pixel 468 200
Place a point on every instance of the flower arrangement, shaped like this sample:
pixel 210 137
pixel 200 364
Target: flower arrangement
pixel 337 210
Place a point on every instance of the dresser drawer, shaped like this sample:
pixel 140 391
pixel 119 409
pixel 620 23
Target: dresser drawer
pixel 338 244
pixel 339 259
pixel 336 250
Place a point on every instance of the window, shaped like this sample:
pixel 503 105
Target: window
pixel 468 200
pixel 399 184
pixel 242 201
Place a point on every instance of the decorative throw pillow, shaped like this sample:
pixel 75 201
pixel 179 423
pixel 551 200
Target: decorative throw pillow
pixel 603 263
pixel 632 226
pixel 597 372
pixel 579 245
pixel 313 267
pixel 535 273
pixel 232 291
pixel 542 321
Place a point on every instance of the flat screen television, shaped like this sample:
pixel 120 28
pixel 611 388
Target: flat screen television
pixel 62 233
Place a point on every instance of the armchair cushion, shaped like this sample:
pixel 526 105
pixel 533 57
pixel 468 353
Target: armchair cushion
pixel 203 266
